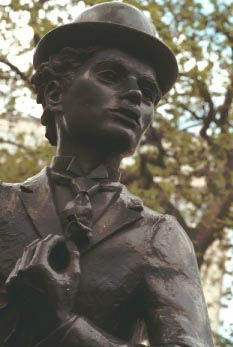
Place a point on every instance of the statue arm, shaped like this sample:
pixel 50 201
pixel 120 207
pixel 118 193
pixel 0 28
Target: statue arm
pixel 75 332
pixel 176 312
pixel 81 332
pixel 8 316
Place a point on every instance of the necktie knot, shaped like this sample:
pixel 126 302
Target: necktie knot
pixel 77 214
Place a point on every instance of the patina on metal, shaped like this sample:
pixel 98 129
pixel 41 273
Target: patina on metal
pixel 82 262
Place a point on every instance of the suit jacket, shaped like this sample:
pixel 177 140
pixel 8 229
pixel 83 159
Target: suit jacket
pixel 140 265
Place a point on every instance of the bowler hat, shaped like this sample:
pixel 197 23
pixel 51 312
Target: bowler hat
pixel 114 24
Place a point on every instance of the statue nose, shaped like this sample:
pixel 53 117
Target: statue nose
pixel 133 95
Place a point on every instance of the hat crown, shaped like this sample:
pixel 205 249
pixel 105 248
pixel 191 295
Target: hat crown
pixel 120 14
pixel 113 24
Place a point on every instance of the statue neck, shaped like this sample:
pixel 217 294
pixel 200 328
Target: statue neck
pixel 90 157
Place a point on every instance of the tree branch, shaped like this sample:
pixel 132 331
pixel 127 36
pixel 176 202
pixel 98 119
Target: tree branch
pixel 204 93
pixel 154 137
pixel 146 180
pixel 225 107
pixel 14 68
pixel 180 104
pixel 206 231
pixel 129 177
pixel 9 142
pixel 190 126
pixel 18 118
pixel 171 209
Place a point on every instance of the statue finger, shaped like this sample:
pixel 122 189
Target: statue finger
pixel 33 243
pixel 43 249
pixel 28 254
pixel 13 273
pixel 74 255
pixel 74 264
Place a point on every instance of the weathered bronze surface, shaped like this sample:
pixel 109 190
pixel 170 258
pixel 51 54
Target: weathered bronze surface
pixel 82 262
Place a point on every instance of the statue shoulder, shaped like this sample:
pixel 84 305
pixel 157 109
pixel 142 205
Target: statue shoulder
pixel 13 188
pixel 7 189
pixel 172 241
pixel 152 214
pixel 8 201
pixel 161 225
pixel 172 227
pixel 150 217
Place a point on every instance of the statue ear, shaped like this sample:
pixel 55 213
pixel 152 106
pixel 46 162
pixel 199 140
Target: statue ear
pixel 53 96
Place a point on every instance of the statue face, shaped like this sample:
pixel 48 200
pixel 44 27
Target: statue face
pixel 110 102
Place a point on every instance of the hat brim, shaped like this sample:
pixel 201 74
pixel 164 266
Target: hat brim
pixel 84 34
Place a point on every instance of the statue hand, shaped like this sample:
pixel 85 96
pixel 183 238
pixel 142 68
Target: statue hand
pixel 45 280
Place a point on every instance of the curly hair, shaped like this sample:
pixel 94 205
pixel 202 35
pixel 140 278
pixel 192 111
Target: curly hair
pixel 61 68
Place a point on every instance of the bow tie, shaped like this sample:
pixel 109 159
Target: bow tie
pixel 77 213
pixel 79 183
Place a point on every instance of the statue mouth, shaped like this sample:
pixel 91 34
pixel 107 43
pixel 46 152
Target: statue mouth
pixel 128 115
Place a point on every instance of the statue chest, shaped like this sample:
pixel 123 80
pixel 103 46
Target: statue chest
pixel 111 283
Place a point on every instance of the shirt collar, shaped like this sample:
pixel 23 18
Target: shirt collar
pixel 72 165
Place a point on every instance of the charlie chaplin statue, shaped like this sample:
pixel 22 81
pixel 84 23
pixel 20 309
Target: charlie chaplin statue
pixel 82 262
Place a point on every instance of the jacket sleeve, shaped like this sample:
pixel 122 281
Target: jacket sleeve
pixel 8 317
pixel 175 310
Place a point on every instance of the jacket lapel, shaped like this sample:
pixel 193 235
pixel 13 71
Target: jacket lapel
pixel 36 196
pixel 127 209
pixel 37 199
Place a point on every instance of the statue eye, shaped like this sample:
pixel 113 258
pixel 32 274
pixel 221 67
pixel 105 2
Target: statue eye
pixel 149 91
pixel 109 76
pixel 148 94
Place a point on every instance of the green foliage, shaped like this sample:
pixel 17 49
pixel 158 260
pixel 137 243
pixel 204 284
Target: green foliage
pixel 25 162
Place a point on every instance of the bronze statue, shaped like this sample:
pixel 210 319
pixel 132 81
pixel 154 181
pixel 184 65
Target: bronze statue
pixel 82 261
